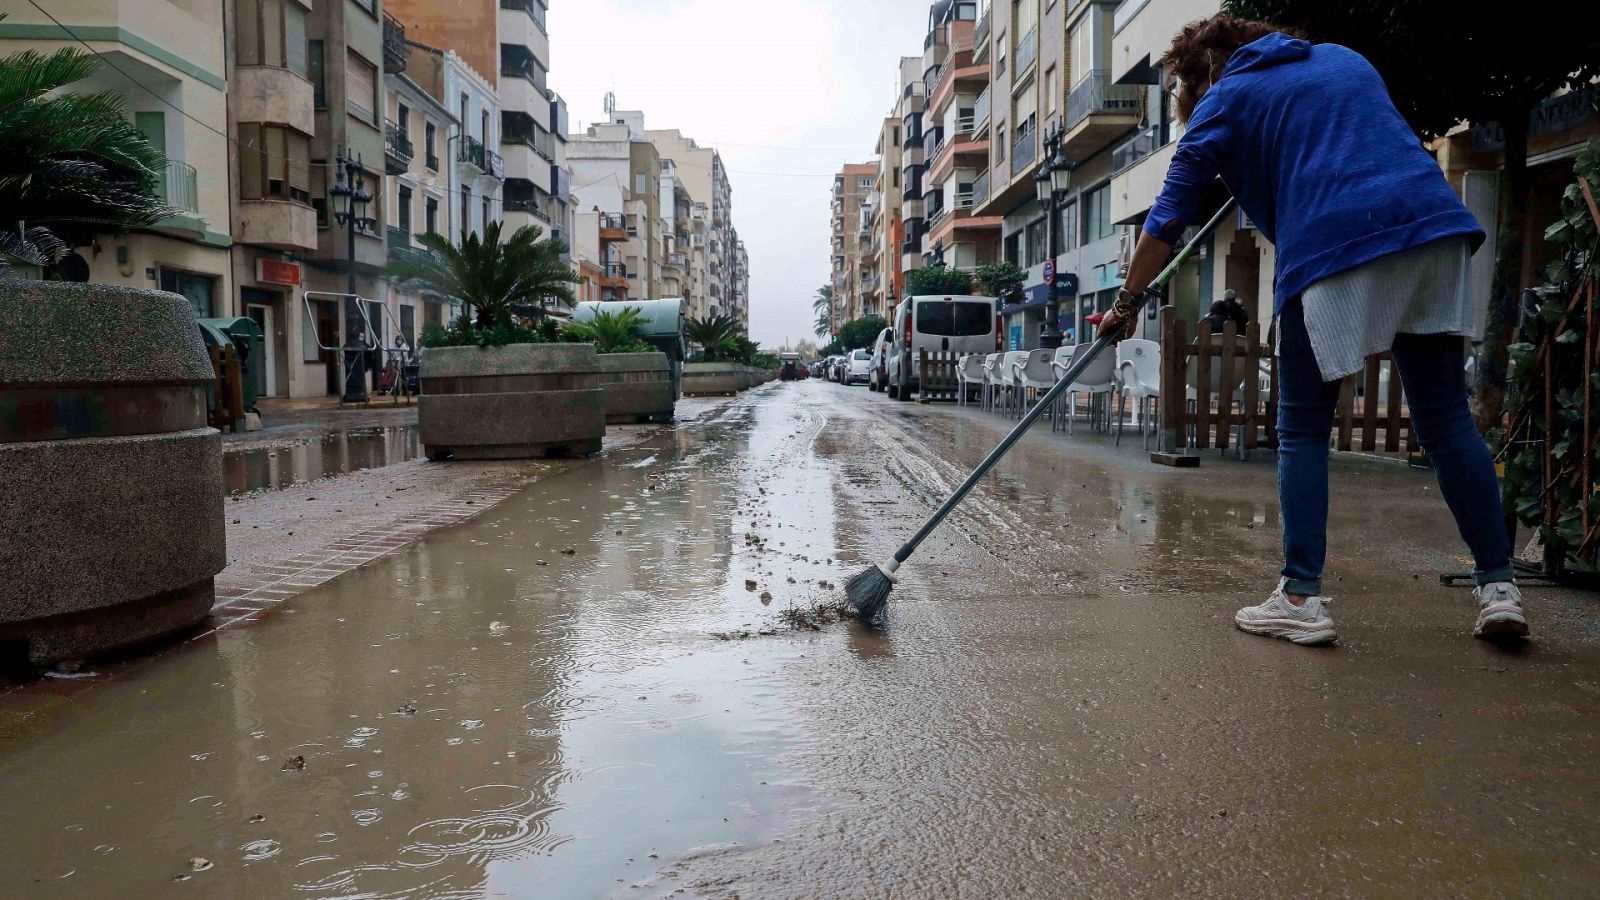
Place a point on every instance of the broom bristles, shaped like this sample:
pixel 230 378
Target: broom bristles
pixel 869 592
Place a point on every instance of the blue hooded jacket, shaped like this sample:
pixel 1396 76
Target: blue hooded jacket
pixel 1318 157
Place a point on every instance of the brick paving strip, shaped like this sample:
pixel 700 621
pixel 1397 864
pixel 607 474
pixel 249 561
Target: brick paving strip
pixel 243 597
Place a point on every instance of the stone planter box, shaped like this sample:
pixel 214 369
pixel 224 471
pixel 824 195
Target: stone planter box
pixel 703 379
pixel 110 478
pixel 520 401
pixel 638 386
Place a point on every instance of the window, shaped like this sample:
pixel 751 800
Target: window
pixel 404 212
pixel 402 120
pixel 1097 214
pixel 865 182
pixel 1050 91
pixel 315 66
pixel 466 212
pixel 465 105
pixel 1000 145
pixel 483 128
pixel 199 290
pixel 429 135
pixel 408 324
pixel 1013 253
pixel 319 192
pixel 1080 41
pixel 1037 251
pixel 487 215
pixel 361 87
pixel 272 33
pixel 430 214
pixel 1069 226
pixel 274 163
pixel 959 318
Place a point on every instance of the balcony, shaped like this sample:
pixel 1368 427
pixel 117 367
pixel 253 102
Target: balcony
pixel 395 49
pixel 517 62
pixel 980 190
pixel 678 260
pixel 1098 111
pixel 913 131
pixel 495 164
pixel 932 143
pixel 965 125
pixel 1023 150
pixel 1136 148
pixel 397 151
pixel 613 228
pixel 980 112
pixel 520 128
pixel 614 275
pixel 913 184
pixel 470 150
pixel 964 200
pixel 1027 52
pixel 980 39
pixel 534 9
pixel 180 185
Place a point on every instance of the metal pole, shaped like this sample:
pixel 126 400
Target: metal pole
pixel 355 343
pixel 1052 337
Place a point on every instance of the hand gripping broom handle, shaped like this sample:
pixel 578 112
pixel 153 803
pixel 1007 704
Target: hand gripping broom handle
pixel 1079 364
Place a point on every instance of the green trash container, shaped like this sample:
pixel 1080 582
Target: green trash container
pixel 248 342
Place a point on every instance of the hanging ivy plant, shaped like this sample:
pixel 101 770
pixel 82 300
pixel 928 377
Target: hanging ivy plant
pixel 1554 325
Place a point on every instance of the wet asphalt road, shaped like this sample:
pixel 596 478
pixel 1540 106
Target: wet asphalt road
pixel 592 690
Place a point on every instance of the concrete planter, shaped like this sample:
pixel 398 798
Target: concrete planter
pixel 515 402
pixel 710 379
pixel 638 386
pixel 110 478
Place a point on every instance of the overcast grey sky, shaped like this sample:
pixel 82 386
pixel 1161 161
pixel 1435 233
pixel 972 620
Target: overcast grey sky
pixel 787 91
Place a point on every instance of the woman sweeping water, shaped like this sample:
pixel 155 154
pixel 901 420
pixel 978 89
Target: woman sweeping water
pixel 1372 248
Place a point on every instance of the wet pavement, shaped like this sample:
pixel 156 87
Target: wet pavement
pixel 595 689
pixel 273 467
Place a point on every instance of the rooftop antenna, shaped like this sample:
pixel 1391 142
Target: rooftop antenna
pixel 611 104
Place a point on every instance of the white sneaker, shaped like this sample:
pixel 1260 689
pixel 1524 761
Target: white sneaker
pixel 1500 613
pixel 1308 623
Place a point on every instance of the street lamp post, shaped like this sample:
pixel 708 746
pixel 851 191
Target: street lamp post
pixel 1051 184
pixel 349 187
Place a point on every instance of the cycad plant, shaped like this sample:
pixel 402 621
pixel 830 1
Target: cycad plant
pixel 491 277
pixel 71 165
pixel 614 332
pixel 717 336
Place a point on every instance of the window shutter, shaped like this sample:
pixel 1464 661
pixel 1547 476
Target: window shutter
pixel 299 163
pixel 250 170
pixel 360 86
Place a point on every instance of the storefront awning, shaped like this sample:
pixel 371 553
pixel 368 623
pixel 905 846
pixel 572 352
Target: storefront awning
pixel 1038 295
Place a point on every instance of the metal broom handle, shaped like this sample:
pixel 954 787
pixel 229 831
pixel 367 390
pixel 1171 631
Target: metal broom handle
pixel 1079 364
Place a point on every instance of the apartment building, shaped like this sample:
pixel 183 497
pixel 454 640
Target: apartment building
pixel 883 261
pixel 183 114
pixel 678 276
pixel 508 41
pixel 618 175
pixel 910 108
pixel 701 173
pixel 955 150
pixel 851 238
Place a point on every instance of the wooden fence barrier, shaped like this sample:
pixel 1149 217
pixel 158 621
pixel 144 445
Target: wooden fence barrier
pixel 938 376
pixel 1233 363
pixel 227 392
pixel 1366 404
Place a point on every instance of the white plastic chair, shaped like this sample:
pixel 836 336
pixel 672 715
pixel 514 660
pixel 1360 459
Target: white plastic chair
pixel 1037 372
pixel 1011 369
pixel 1060 362
pixel 1099 379
pixel 970 368
pixel 992 379
pixel 1139 374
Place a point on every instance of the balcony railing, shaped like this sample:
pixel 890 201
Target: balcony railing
pixel 397 142
pixel 613 221
pixel 470 150
pixel 679 260
pixel 521 129
pixel 180 185
pixel 1139 146
pixel 980 35
pixel 1095 92
pixel 395 49
pixel 980 111
pixel 615 270
pixel 932 142
pixel 966 124
pixel 964 200
pixel 1023 149
pixel 494 164
pixel 980 190
pixel 1027 50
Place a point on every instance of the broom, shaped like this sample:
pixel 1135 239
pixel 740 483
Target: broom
pixel 868 591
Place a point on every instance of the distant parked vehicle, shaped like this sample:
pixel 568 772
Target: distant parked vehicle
pixel 791 367
pixel 937 323
pixel 878 379
pixel 858 368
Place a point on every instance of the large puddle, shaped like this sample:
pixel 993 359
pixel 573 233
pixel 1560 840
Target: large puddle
pixel 271 468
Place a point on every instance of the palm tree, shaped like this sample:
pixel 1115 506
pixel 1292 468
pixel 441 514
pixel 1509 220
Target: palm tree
pixel 493 277
pixel 824 324
pixel 614 332
pixel 71 164
pixel 717 336
pixel 824 299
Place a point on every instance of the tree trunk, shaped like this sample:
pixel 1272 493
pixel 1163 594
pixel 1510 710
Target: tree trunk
pixel 1489 391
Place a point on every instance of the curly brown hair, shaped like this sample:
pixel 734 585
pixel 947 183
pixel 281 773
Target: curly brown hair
pixel 1201 50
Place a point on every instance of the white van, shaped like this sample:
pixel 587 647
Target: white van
pixel 938 324
pixel 877 380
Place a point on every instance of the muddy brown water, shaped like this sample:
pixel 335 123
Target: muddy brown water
pixel 349 450
pixel 1059 706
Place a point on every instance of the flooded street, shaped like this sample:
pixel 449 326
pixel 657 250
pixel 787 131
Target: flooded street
pixel 613 684
pixel 308 459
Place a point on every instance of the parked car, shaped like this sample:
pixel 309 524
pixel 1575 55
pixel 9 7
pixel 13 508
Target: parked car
pixel 791 367
pixel 840 364
pixel 878 379
pixel 858 368
pixel 936 323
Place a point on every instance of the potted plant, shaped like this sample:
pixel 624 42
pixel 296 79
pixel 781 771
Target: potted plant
pixel 112 490
pixel 716 369
pixel 637 377
pixel 495 385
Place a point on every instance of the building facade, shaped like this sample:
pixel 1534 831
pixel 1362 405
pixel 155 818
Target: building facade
pixel 618 175
pixel 850 243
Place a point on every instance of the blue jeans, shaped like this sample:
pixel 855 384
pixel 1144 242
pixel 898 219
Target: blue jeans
pixel 1435 384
